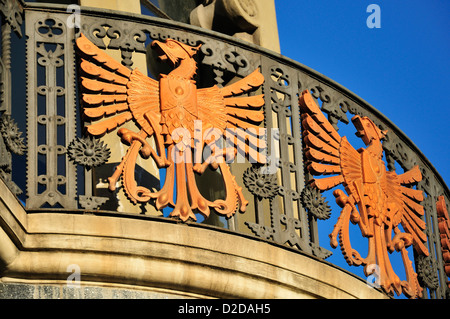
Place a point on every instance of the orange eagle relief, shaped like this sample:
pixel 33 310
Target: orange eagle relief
pixel 377 200
pixel 167 110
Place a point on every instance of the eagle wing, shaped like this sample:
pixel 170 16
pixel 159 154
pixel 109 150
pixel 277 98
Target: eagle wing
pixel 236 115
pixel 327 153
pixel 113 92
pixel 408 200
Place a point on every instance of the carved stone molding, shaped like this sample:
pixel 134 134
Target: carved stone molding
pixel 119 251
pixel 238 15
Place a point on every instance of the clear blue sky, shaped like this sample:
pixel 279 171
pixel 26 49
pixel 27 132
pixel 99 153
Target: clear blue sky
pixel 402 68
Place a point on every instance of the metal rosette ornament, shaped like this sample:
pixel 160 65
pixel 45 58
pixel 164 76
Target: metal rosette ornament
pixel 427 272
pixel 262 186
pixel 315 203
pixel 88 152
pixel 11 135
pixel 259 184
pixel 11 142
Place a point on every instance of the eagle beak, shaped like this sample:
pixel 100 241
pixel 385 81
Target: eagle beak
pixel 156 45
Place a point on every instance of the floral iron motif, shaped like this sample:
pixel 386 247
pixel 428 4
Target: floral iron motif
pixel 169 110
pixel 88 152
pixel 377 200
pixel 12 135
pixel 260 184
pixel 315 203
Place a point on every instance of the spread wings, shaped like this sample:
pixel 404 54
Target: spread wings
pixel 327 153
pixel 114 94
pixel 409 199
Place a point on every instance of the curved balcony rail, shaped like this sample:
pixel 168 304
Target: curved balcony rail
pixel 40 122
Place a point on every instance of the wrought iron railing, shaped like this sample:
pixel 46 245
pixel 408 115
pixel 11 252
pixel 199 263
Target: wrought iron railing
pixel 41 122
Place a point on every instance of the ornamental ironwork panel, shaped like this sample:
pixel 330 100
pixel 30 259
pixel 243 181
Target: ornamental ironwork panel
pixel 290 223
pixel 432 270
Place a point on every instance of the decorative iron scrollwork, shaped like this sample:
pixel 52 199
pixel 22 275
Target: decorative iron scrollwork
pixel 91 202
pixel 50 28
pixel 51 120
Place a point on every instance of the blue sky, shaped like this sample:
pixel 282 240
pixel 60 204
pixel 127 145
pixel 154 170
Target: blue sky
pixel 402 69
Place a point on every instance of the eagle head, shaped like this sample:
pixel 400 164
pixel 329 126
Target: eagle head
pixel 367 130
pixel 174 51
